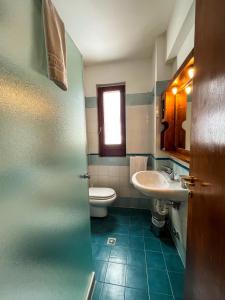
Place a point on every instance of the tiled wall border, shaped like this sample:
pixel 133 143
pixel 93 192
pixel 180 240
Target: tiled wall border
pixel 135 99
pixel 131 100
pixel 95 159
pixel 161 86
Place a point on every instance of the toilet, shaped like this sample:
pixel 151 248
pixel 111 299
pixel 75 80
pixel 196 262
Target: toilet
pixel 100 198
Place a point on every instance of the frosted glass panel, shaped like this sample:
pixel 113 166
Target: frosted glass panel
pixel 45 249
pixel 112 118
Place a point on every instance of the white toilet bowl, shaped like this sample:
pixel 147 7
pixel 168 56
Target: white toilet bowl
pixel 100 198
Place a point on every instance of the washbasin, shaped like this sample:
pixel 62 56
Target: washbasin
pixel 158 185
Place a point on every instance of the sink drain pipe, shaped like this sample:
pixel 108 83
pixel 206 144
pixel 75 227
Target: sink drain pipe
pixel 159 213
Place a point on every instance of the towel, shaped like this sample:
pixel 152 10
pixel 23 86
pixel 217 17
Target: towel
pixel 137 163
pixel 55 44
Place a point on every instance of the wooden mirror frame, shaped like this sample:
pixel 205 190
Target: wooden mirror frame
pixel 173 135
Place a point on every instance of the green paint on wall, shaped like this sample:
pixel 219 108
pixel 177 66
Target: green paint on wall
pixel 131 100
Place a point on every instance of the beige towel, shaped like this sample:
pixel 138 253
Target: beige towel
pixel 55 44
pixel 137 163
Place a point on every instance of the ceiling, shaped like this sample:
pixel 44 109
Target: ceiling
pixel 114 30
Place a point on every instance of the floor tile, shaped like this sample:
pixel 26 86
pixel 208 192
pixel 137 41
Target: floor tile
pixel 100 270
pixel 168 246
pixel 148 232
pixel 136 257
pixel 120 211
pixel 138 212
pixel 160 297
pixel 177 282
pixel 96 228
pixel 119 219
pixel 97 291
pixel 135 294
pixel 174 263
pixel 121 239
pixel 155 260
pixel 113 210
pixel 121 269
pixel 100 252
pixel 115 274
pixel 137 220
pixel 99 238
pixel 112 292
pixel 159 282
pixel 136 277
pixel 137 242
pixel 110 227
pixel 118 255
pixel 136 230
pixel 152 244
pixel 118 228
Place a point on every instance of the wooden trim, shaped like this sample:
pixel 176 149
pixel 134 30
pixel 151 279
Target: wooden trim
pixel 181 154
pixel 111 150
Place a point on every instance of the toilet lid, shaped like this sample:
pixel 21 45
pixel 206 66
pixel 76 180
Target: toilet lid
pixel 100 192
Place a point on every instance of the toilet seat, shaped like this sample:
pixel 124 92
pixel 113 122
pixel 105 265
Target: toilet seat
pixel 101 193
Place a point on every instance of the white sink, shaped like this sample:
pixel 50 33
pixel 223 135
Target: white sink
pixel 158 185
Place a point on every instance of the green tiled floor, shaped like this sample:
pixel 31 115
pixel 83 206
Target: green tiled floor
pixel 140 266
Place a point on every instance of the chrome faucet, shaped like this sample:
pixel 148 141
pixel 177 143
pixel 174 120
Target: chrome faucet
pixel 172 174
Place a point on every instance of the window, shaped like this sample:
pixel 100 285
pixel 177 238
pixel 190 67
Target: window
pixel 111 120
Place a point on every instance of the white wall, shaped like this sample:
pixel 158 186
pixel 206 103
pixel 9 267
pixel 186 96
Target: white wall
pixel 137 75
pixel 186 47
pixel 163 69
pixel 180 25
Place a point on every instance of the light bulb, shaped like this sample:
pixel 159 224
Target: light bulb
pixel 191 72
pixel 174 90
pixel 188 89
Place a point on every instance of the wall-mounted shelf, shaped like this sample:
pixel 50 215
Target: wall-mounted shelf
pixel 180 155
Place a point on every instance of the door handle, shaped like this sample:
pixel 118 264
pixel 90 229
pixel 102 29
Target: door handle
pixel 188 181
pixel 190 184
pixel 85 176
pixel 189 178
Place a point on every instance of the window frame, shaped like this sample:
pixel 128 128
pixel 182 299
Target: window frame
pixel 111 150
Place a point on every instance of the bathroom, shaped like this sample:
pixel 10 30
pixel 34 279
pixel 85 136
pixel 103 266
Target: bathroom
pixel 128 221
pixel 112 150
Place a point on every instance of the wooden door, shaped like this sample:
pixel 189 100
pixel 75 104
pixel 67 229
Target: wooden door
pixel 205 276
